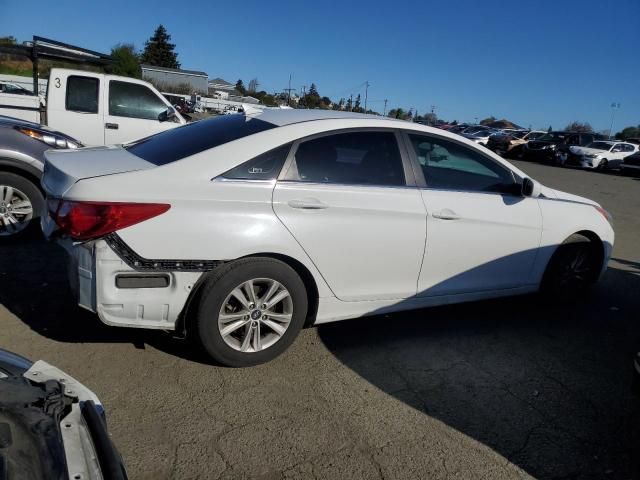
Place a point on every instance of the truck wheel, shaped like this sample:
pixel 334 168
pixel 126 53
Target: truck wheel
pixel 21 204
pixel 250 311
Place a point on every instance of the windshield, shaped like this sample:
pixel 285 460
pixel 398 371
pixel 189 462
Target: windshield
pixel 182 142
pixel 552 137
pixel 599 146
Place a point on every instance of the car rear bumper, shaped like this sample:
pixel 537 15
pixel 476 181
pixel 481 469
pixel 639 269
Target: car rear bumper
pixel 122 296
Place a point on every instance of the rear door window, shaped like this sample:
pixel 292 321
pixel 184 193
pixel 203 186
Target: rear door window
pixel 181 142
pixel 82 94
pixel 353 158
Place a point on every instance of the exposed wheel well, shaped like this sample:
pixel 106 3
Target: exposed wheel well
pixel 184 320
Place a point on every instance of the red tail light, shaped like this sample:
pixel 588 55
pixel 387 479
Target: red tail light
pixel 88 220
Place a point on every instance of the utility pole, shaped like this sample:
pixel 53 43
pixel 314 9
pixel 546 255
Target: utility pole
pixel 366 93
pixel 614 106
pixel 384 114
pixel 288 90
pixel 351 102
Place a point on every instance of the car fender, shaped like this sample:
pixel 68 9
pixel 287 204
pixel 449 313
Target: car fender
pixel 562 218
pixel 19 162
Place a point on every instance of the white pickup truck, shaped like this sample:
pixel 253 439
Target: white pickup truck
pixel 95 108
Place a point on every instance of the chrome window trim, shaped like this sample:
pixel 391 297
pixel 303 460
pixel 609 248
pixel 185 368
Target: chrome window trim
pixel 220 178
pixel 350 185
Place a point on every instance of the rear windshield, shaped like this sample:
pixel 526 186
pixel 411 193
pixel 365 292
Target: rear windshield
pixel 178 143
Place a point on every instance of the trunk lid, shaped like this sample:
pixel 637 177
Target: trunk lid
pixel 63 168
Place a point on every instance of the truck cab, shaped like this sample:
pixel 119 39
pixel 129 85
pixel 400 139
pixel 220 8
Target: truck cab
pixel 100 109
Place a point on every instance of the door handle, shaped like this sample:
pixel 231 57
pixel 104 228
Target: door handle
pixel 111 126
pixel 446 214
pixel 307 204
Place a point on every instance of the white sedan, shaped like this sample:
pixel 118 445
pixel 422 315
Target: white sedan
pixel 602 154
pixel 241 229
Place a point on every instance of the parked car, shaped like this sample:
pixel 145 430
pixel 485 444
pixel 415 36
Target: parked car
pixel 554 146
pixel 601 155
pixel 510 144
pixel 14 89
pixel 631 164
pixel 459 128
pixel 22 147
pixel 240 229
pixel 51 426
pixel 481 137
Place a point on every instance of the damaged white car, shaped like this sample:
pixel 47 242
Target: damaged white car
pixel 243 228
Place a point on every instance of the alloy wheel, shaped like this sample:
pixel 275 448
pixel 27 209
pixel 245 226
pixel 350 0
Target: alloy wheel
pixel 255 315
pixel 577 268
pixel 16 210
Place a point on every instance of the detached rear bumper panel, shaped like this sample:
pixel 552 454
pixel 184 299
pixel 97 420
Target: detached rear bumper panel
pixel 122 296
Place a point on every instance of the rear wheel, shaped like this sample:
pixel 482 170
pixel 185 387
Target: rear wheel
pixel 572 269
pixel 21 204
pixel 250 311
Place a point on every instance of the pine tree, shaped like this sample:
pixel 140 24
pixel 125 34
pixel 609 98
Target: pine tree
pixel 125 61
pixel 240 87
pixel 158 51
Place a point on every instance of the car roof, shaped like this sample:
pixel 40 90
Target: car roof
pixel 286 116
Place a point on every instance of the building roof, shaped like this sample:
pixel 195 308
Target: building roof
pixel 174 70
pixel 220 81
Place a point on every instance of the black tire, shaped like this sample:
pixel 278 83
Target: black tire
pixel 573 268
pixel 603 166
pixel 218 286
pixel 32 193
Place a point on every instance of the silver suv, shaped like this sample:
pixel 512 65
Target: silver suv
pixel 22 147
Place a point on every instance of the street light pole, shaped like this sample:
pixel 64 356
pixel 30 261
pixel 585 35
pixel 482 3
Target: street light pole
pixel 366 92
pixel 614 106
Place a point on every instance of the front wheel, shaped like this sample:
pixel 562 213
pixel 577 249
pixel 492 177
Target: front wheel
pixel 21 204
pixel 603 165
pixel 571 270
pixel 250 311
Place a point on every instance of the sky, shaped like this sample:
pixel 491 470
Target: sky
pixel 539 63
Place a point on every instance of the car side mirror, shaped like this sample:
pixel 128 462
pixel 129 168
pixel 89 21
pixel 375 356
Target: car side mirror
pixel 530 188
pixel 166 115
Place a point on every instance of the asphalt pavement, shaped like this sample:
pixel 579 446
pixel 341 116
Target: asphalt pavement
pixel 508 388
